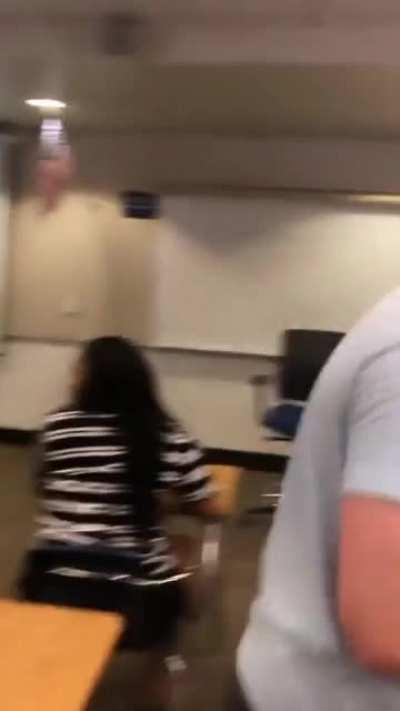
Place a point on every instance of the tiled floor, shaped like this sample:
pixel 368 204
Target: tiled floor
pixel 208 646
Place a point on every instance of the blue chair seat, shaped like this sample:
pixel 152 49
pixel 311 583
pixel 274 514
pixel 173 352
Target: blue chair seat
pixel 284 418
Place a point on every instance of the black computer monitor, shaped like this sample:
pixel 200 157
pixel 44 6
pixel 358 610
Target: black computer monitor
pixel 305 353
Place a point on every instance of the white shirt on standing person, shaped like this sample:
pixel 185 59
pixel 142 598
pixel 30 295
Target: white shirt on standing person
pixel 324 631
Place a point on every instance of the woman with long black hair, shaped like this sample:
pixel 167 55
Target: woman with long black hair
pixel 103 461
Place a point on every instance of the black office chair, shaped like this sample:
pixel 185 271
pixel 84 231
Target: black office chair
pixel 304 355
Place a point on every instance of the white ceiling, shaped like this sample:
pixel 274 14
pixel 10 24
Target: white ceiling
pixel 350 10
pixel 64 58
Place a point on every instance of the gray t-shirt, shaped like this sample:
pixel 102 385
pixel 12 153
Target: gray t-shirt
pixel 293 656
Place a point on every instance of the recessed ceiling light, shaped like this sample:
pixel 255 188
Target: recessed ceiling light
pixel 46 103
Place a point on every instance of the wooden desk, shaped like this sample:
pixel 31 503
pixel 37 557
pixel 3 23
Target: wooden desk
pixel 51 657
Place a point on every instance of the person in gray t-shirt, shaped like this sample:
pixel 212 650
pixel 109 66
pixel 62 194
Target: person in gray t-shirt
pixel 324 631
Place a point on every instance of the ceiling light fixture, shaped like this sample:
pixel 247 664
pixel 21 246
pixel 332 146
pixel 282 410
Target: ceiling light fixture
pixel 46 104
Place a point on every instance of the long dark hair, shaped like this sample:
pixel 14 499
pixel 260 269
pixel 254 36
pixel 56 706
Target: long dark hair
pixel 117 379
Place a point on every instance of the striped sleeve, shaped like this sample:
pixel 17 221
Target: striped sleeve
pixel 183 467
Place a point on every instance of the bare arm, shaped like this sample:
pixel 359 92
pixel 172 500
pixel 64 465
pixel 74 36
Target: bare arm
pixel 190 488
pixel 369 581
pixel 209 508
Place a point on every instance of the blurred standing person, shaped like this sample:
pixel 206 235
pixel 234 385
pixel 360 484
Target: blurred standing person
pixel 324 631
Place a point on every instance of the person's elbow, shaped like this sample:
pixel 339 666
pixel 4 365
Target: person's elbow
pixel 372 649
pixel 209 508
pixel 377 661
pixel 375 658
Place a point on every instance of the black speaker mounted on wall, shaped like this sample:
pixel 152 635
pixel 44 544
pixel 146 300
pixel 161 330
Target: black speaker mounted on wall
pixel 140 205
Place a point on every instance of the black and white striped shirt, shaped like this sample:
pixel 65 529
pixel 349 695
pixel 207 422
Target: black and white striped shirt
pixel 86 496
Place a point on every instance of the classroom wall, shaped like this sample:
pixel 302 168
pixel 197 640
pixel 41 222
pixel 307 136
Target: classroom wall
pixel 211 394
pixel 84 270
pixel 80 270
pixel 33 381
pixel 236 271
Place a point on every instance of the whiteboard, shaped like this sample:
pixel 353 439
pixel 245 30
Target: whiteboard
pixel 232 273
